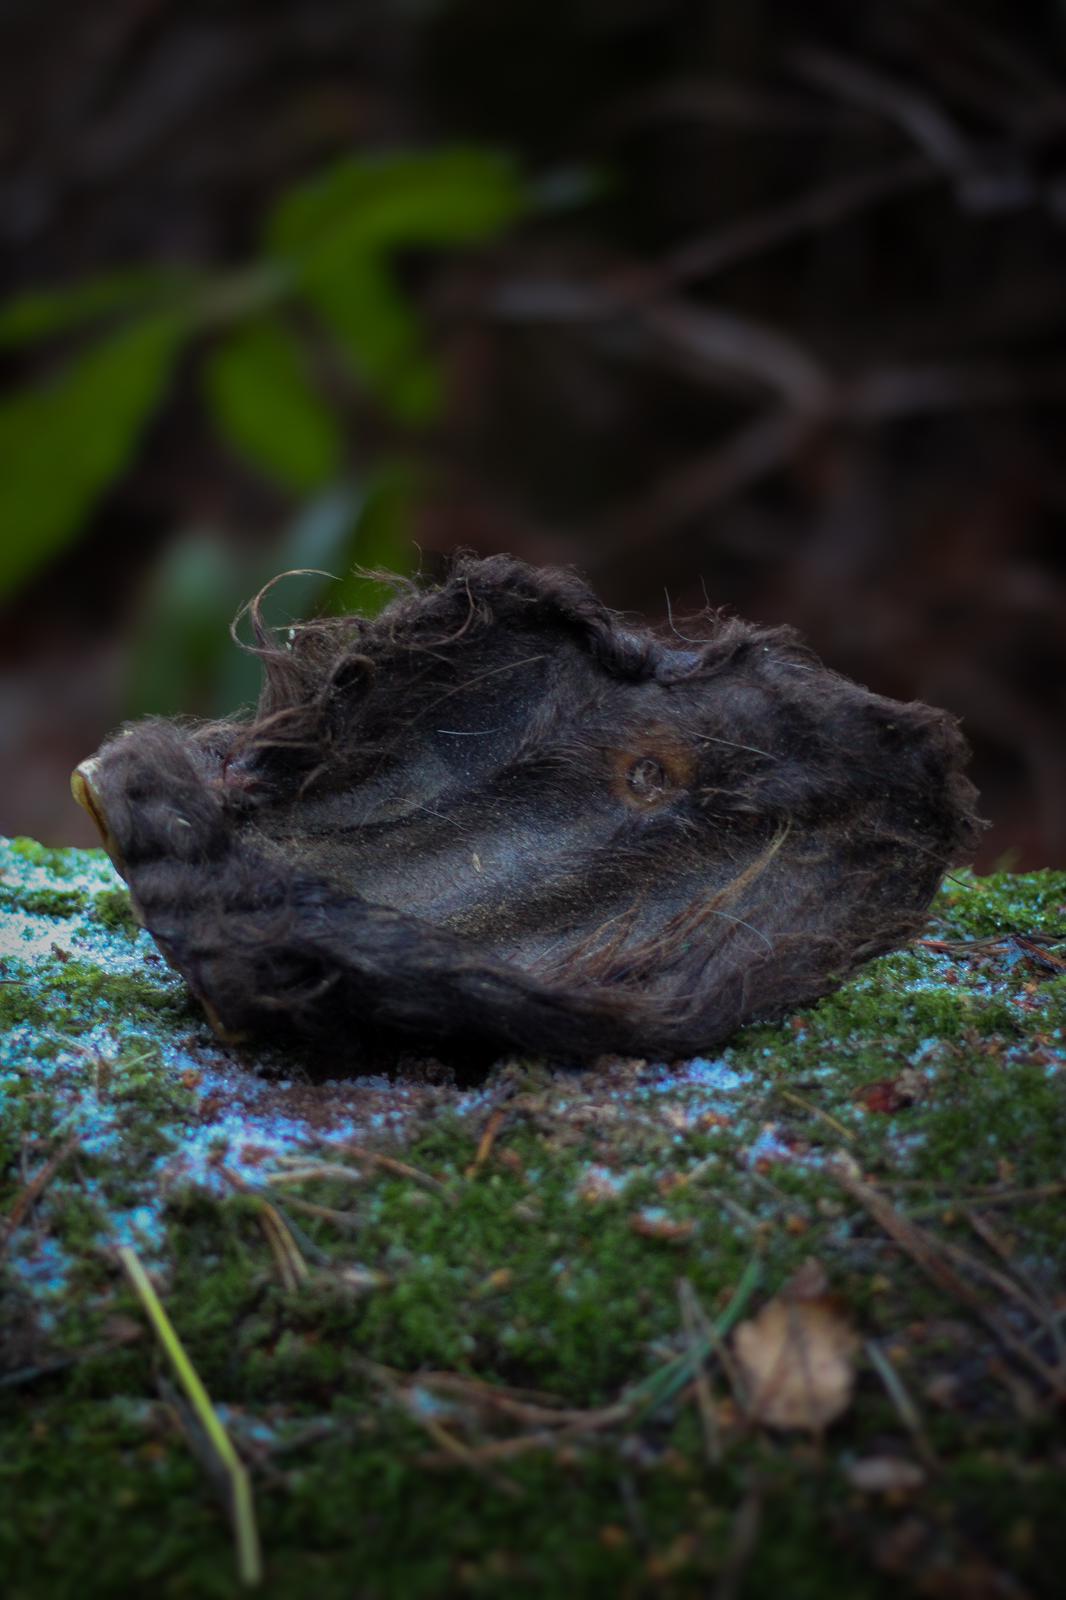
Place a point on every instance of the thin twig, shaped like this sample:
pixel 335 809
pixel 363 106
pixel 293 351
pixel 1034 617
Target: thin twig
pixel 816 1111
pixel 660 1386
pixel 962 946
pixel 928 1254
pixel 691 1317
pixel 920 118
pixel 741 1547
pixel 321 1169
pixel 452 1447
pixel 487 1140
pixel 351 1221
pixel 722 248
pixel 292 1268
pixel 987 1197
pixel 746 1218
pixel 523 1405
pixel 399 1169
pixel 715 342
pixel 555 1426
pixel 908 1412
pixel 1042 1306
pixel 1001 1281
pixel 29 1196
pixel 753 452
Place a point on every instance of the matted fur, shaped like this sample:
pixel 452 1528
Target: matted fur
pixel 496 815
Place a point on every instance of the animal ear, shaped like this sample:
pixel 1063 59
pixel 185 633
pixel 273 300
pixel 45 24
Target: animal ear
pixel 487 817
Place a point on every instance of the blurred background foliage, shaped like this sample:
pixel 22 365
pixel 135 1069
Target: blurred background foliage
pixel 711 297
pixel 328 248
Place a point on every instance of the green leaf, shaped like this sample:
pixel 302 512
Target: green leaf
pixel 47 312
pixel 263 405
pixel 335 534
pixel 382 540
pixel 63 442
pixel 438 197
pixel 181 648
pixel 336 234
pixel 314 549
pixel 378 329
pixel 183 659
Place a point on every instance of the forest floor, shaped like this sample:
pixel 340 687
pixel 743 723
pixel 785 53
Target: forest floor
pixel 786 1321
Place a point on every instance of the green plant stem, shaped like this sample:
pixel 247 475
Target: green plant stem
pixel 249 1560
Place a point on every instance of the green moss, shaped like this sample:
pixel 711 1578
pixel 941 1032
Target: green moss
pixel 77 994
pixel 20 1002
pixel 42 902
pixel 60 862
pixel 112 908
pixel 1004 902
pixel 940 1072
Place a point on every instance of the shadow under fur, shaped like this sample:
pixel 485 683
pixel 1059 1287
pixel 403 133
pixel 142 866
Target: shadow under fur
pixel 497 817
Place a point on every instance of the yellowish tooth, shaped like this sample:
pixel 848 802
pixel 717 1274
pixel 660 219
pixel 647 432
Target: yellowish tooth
pixel 81 787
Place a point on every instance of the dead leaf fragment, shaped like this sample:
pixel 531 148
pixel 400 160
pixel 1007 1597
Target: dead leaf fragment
pixel 600 1184
pixel 810 1281
pixel 797 1358
pixel 943 1389
pixel 653 1224
pixel 497 1282
pixel 120 1329
pixel 893 1094
pixel 884 1474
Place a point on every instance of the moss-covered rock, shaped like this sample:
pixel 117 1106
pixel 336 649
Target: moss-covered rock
pixel 328 1246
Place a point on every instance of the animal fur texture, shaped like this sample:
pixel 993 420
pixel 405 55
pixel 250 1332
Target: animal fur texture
pixel 499 817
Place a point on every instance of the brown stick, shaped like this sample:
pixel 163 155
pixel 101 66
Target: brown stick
pixel 926 1252
pixel 35 1188
pixel 487 1140
pixel 399 1169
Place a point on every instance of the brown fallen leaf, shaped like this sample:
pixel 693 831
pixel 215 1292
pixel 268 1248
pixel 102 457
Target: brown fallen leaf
pixel 797 1358
pixel 884 1474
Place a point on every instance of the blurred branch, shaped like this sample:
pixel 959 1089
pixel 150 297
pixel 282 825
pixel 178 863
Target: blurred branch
pixel 751 454
pixel 776 437
pixel 925 123
pixel 732 105
pixel 813 212
pixel 712 344
pixel 709 341
pixel 553 300
pixel 1030 86
pixel 891 392
pixel 994 179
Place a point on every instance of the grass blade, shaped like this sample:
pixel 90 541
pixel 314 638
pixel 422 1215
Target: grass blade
pixel 249 1560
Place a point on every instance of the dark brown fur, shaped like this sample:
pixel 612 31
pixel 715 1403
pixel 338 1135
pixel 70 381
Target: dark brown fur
pixel 496 815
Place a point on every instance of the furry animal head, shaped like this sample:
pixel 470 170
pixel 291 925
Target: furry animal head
pixel 496 816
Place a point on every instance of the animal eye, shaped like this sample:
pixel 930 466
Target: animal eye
pixel 648 780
